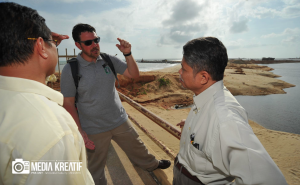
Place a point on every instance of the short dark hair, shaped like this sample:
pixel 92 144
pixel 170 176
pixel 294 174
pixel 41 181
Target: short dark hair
pixel 17 24
pixel 79 28
pixel 206 54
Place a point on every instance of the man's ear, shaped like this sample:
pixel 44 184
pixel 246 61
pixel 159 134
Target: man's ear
pixel 41 48
pixel 202 77
pixel 78 45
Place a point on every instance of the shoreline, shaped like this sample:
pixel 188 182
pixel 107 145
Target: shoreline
pixel 144 90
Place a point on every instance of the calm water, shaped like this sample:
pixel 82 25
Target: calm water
pixel 278 111
pixel 153 66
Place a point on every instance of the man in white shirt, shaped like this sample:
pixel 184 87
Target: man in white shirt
pixel 36 132
pixel 217 145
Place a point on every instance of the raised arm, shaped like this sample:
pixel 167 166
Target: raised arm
pixel 132 70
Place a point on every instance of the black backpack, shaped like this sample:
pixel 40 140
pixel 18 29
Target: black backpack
pixel 74 68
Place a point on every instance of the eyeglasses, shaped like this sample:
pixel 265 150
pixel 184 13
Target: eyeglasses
pixel 44 40
pixel 89 42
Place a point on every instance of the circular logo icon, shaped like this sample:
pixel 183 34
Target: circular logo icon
pixel 18 167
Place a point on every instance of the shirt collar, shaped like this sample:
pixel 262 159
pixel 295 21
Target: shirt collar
pixel 30 86
pixel 85 63
pixel 201 99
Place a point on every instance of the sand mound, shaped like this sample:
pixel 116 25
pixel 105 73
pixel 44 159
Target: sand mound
pixel 163 89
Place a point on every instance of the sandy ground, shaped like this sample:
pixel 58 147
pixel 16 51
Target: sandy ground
pixel 240 79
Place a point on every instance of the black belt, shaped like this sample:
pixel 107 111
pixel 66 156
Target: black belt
pixel 185 172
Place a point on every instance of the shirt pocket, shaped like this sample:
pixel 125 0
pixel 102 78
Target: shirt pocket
pixel 197 159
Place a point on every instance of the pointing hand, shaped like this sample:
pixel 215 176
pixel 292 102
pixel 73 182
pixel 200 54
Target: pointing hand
pixel 124 46
pixel 58 37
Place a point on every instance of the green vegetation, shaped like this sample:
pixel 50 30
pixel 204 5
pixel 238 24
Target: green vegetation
pixel 142 91
pixel 163 82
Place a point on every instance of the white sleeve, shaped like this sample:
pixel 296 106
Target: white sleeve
pixel 239 152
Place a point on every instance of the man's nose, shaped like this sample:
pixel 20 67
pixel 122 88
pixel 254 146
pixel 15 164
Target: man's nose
pixel 94 43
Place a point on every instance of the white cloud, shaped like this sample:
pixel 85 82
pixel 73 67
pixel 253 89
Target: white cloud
pixel 271 35
pixel 66 1
pixel 179 34
pixel 171 23
pixel 237 18
pixel 291 11
pixel 217 18
pixel 263 9
pixel 290 36
pixel 109 33
pixel 291 39
pixel 286 32
pixel 286 12
pixel 188 19
pixel 262 12
pixel 235 44
pixel 291 1
pixel 239 26
pixel 242 43
pixel 183 11
pixel 73 1
pixel 131 25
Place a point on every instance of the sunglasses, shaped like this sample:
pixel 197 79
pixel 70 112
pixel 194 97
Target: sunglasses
pixel 89 42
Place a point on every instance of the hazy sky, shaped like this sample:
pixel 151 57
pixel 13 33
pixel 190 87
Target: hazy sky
pixel 159 28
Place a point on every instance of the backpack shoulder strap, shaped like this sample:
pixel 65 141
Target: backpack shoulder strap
pixel 74 69
pixel 107 59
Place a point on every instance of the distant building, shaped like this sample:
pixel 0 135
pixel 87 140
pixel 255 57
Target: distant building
pixel 268 58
